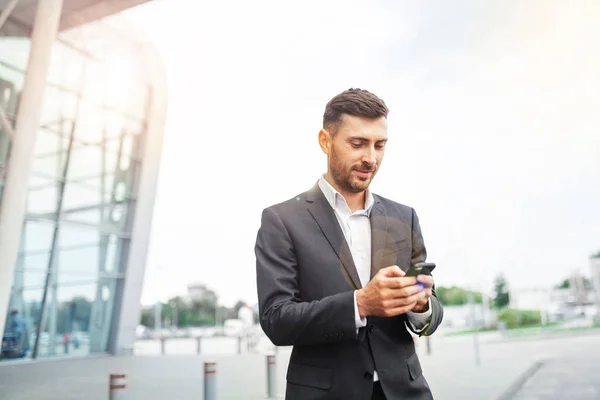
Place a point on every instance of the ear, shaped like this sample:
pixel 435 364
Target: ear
pixel 325 141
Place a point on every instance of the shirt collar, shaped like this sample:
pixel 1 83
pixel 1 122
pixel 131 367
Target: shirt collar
pixel 334 198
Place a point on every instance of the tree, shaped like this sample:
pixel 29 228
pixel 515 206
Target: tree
pixel 200 310
pixel 565 284
pixel 501 295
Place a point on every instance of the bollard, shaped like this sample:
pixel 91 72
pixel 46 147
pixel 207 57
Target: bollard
pixel 198 344
pixel 116 387
pixel 271 376
pixel 428 345
pixel 162 345
pixel 210 381
pixel 239 344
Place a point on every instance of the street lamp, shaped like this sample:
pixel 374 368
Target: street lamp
pixel 174 316
pixel 595 267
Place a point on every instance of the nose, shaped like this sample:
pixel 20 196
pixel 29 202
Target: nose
pixel 369 156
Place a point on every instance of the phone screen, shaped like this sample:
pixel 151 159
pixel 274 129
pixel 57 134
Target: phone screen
pixel 420 269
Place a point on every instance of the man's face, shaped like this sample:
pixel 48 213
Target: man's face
pixel 356 152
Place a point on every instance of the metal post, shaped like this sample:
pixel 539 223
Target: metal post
pixel 162 345
pixel 199 344
pixel 427 341
pixel 14 197
pixel 239 339
pixel 595 270
pixel 210 381
pixel 475 328
pixel 5 124
pixel 116 387
pixel 271 376
pixel 157 317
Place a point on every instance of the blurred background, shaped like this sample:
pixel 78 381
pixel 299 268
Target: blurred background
pixel 140 141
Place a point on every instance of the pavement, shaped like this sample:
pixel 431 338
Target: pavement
pixel 568 366
pixel 566 378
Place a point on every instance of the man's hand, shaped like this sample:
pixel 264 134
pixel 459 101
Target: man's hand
pixel 390 293
pixel 426 282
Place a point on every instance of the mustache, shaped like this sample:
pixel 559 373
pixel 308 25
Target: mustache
pixel 366 167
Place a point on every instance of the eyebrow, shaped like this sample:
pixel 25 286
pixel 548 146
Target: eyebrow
pixel 362 139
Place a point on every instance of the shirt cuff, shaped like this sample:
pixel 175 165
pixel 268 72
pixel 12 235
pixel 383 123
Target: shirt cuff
pixel 358 321
pixel 419 320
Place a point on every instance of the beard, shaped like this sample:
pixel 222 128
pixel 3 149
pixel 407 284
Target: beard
pixel 345 179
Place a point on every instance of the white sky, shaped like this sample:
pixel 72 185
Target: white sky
pixel 494 130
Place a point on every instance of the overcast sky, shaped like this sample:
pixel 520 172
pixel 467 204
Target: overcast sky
pixel 494 130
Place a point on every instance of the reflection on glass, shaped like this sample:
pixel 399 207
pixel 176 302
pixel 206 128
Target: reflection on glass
pixel 68 320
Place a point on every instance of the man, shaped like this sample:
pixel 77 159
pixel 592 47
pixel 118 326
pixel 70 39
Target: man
pixel 330 271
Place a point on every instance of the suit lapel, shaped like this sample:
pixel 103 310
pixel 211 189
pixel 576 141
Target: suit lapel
pixel 324 216
pixel 378 235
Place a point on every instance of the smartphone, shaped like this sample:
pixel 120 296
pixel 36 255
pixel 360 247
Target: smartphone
pixel 420 269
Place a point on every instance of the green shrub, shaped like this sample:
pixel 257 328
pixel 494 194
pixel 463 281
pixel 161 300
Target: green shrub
pixel 519 318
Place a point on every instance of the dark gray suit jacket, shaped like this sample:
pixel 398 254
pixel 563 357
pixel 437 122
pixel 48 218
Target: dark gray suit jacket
pixel 306 279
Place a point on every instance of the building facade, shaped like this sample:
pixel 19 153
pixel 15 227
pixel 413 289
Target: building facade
pixel 82 108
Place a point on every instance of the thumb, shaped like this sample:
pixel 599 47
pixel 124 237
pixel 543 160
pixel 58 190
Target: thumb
pixel 393 270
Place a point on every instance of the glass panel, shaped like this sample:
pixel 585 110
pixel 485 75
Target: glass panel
pixel 90 123
pixel 49 143
pixel 37 236
pixel 36 261
pixel 92 216
pixel 43 200
pixel 112 255
pixel 83 260
pixel 94 87
pixel 86 161
pixel 58 105
pixel 66 67
pixel 71 236
pixel 15 52
pixel 77 195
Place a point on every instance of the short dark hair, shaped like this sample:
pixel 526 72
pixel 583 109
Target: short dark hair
pixel 356 102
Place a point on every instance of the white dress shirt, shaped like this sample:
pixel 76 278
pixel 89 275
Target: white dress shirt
pixel 357 232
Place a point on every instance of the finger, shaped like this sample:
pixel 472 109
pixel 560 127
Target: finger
pixel 426 280
pixel 392 270
pixel 399 301
pixel 399 283
pixel 405 291
pixel 392 312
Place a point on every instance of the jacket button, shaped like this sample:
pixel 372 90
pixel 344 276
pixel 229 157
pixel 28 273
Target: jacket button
pixel 371 327
pixel 368 376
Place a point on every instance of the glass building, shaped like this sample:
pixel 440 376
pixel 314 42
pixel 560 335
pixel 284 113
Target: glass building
pixel 82 110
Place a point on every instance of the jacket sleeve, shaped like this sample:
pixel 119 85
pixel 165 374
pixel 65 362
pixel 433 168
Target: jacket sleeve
pixel 284 316
pixel 419 254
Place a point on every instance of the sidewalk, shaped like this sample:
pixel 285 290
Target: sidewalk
pixel 573 379
pixel 450 370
